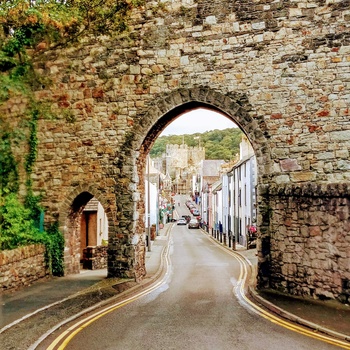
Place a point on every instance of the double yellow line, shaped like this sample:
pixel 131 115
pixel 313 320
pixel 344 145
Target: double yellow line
pixel 72 331
pixel 241 294
pixel 64 338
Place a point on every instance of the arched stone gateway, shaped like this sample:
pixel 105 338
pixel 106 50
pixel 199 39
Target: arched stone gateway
pixel 280 70
pixel 132 156
pixel 295 220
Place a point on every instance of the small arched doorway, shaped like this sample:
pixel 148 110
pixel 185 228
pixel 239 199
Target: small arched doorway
pixel 93 236
pixel 86 234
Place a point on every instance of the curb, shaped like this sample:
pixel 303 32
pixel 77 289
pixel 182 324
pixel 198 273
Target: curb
pixel 294 318
pixel 275 309
pixel 97 295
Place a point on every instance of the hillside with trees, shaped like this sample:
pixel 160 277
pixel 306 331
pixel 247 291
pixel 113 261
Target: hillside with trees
pixel 219 144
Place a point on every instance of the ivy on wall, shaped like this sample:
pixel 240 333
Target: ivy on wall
pixel 9 180
pixel 20 222
pixel 54 250
pixel 27 29
pixel 33 145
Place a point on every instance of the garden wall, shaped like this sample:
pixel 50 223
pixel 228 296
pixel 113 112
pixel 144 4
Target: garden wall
pixel 22 266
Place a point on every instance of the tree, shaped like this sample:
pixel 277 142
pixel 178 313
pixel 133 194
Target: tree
pixel 218 144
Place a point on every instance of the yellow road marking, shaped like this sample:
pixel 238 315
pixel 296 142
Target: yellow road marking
pixel 269 316
pixel 72 331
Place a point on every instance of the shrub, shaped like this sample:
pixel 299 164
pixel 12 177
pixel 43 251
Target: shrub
pixel 18 228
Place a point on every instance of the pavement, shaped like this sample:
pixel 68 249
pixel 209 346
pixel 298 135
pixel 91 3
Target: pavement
pixel 62 297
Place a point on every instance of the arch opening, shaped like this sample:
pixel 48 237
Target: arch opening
pixel 132 159
pixel 225 208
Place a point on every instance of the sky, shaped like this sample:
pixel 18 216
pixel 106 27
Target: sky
pixel 199 120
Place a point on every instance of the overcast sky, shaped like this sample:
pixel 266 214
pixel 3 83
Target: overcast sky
pixel 199 120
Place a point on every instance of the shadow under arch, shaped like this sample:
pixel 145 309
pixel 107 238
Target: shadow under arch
pixel 148 126
pixel 70 221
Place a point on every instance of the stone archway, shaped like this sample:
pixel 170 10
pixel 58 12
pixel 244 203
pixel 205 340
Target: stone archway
pixel 283 208
pixel 162 111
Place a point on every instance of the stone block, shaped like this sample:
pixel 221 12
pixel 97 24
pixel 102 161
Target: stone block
pixel 303 176
pixel 289 165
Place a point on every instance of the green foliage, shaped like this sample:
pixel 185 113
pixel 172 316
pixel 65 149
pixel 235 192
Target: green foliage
pixel 54 250
pixel 16 226
pixel 25 24
pixel 32 142
pixel 20 222
pixel 9 180
pixel 219 144
pixel 6 62
pixel 10 85
pixel 19 227
pixel 32 202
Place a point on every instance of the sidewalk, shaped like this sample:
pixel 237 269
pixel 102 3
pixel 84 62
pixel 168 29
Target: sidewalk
pixel 50 292
pixel 57 295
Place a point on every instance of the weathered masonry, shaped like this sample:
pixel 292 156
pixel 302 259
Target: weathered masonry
pixel 278 69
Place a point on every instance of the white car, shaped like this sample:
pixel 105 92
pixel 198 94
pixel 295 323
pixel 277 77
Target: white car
pixel 193 223
pixel 181 222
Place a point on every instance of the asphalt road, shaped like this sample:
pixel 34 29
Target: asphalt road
pixel 195 308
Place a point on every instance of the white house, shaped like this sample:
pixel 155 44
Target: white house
pixel 233 199
pixel 217 208
pixel 243 192
pixel 152 203
pixel 152 185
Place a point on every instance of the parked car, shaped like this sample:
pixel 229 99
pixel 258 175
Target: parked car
pixel 189 204
pixel 187 218
pixel 193 223
pixel 195 212
pixel 182 222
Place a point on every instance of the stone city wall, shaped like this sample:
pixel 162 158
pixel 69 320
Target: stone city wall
pixel 279 69
pixel 309 240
